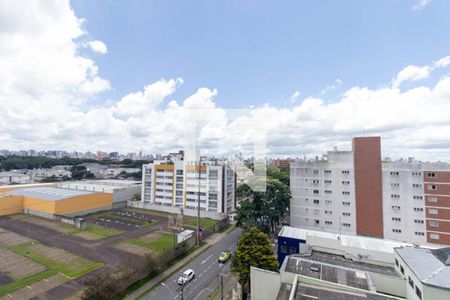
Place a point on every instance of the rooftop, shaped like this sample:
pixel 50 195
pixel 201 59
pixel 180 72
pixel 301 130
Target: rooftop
pixel 308 292
pixel 428 265
pixel 354 241
pixel 330 273
pixel 48 193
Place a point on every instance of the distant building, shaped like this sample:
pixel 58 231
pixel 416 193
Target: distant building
pixel 354 192
pixel 281 163
pixel 173 182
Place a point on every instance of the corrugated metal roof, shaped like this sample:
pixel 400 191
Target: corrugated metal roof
pixel 427 267
pixel 48 193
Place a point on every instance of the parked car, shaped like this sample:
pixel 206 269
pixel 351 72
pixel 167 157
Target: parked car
pixel 225 256
pixel 186 277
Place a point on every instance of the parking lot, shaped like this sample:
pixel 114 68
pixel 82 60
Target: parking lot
pixel 123 220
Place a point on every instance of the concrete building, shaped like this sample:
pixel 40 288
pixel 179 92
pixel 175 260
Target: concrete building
pixel 354 192
pixel 15 177
pixel 50 201
pixel 120 190
pixel 174 182
pixel 427 272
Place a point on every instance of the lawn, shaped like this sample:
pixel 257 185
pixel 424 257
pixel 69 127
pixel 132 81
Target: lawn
pixel 162 242
pixel 100 232
pixel 204 222
pixel 6 289
pixel 71 271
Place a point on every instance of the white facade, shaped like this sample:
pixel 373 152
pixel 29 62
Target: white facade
pixel 323 194
pixel 403 202
pixel 179 184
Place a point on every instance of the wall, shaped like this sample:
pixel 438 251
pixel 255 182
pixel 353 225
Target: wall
pixel 83 203
pixel 264 284
pixel 290 244
pixel 37 204
pixel 10 205
pixel 388 284
pixel 177 210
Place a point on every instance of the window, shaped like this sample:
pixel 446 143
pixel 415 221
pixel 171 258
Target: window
pixel 395 185
pixel 396 230
pixel 420 233
pixel 328 202
pixel 394 173
pixel 327 192
pixel 316 172
pixel 417 197
pixel 317 222
pixel 416 185
pixel 316 191
pixel 327 181
pixel 395 196
pixel 431 187
pixel 346 224
pixel 434 236
pixel 316 181
pixel 411 282
pixel 345 172
pixel 345 193
pixel 396 219
pixel 402 270
pixel 395 207
pixel 327 171
pixel 432 199
pixel 316 201
pixel 328 223
pixel 179 193
pixel 418 221
pixel 418 209
pixel 346 214
pixel 419 293
pixel 292 250
pixel 432 211
pixel 345 182
pixel 328 212
pixel 283 249
pixel 396 262
pixel 431 175
pixel 346 203
pixel 433 223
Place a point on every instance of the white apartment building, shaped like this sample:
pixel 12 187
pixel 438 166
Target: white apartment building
pixel 177 183
pixel 354 192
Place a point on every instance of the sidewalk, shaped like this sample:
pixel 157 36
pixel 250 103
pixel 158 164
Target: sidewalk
pixel 211 240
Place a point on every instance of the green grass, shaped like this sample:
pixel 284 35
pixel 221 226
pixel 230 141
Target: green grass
pixel 100 231
pixel 11 287
pixel 57 267
pixel 204 222
pixel 163 242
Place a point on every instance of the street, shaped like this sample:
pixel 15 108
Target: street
pixel 207 270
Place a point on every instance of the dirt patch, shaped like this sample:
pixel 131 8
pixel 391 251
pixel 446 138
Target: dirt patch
pixel 37 288
pixel 16 266
pixel 4 279
pixel 9 238
pixel 134 249
pixel 61 256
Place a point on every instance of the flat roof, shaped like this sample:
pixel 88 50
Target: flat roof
pixel 339 260
pixel 308 292
pixel 361 242
pixel 326 272
pixel 427 266
pixel 48 193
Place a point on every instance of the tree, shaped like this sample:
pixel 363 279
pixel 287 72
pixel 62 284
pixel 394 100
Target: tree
pixel 253 249
pixel 101 287
pixel 81 172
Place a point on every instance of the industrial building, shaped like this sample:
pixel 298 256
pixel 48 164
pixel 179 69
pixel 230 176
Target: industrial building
pixel 51 201
pixel 121 190
pixel 355 192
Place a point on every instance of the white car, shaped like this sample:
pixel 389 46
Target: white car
pixel 187 276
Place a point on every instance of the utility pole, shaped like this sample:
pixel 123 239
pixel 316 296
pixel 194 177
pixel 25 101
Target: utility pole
pixel 198 199
pixel 221 286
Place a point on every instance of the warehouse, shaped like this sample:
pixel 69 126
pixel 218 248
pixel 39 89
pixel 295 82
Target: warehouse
pixel 48 201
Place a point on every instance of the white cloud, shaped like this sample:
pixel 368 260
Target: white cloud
pixel 46 86
pixel 97 46
pixel 295 96
pixel 421 4
pixel 336 84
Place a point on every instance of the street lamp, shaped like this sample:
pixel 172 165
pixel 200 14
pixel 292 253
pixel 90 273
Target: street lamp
pixel 198 201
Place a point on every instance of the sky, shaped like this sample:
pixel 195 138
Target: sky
pixel 302 76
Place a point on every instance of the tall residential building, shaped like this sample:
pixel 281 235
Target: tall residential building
pixel 177 183
pixel 354 192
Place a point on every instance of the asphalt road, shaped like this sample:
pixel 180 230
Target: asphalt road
pixel 207 270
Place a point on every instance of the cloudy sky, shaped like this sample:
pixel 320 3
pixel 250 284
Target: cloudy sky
pixel 307 75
